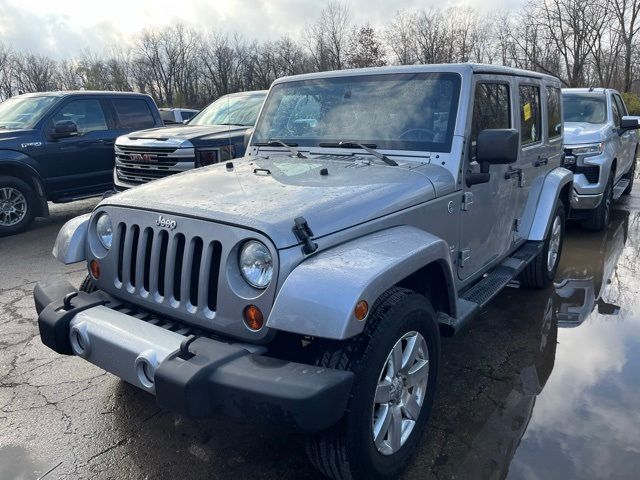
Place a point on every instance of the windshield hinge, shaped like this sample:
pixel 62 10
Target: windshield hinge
pixel 304 234
pixel 465 256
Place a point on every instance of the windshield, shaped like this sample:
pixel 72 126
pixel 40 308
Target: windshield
pixel 24 112
pixel 415 111
pixel 584 108
pixel 231 110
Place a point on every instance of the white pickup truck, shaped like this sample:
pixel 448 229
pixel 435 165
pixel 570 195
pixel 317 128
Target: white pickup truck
pixel 601 145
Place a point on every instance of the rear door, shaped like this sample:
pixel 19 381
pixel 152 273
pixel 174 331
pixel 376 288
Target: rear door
pixel 489 210
pixel 82 164
pixel 533 161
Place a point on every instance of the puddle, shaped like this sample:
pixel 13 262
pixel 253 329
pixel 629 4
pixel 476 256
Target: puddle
pixel 546 384
pixel 17 463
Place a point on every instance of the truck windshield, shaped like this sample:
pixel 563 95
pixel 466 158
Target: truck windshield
pixel 584 108
pixel 231 110
pixel 23 112
pixel 413 111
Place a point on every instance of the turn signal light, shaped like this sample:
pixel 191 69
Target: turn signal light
pixel 94 267
pixel 253 317
pixel 361 310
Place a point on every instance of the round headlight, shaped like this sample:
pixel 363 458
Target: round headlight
pixel 256 264
pixel 104 229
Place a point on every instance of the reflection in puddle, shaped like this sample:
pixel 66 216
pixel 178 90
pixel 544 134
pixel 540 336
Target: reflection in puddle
pixel 520 397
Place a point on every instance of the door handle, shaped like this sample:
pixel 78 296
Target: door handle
pixel 540 161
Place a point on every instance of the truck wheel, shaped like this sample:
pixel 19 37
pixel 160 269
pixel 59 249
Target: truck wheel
pixel 396 361
pixel 599 218
pixel 631 175
pixel 540 272
pixel 87 285
pixel 17 205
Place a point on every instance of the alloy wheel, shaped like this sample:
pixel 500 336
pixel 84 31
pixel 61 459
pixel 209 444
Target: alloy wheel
pixel 13 206
pixel 400 393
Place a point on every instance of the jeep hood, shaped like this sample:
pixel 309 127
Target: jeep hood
pixel 576 133
pixel 268 194
pixel 193 133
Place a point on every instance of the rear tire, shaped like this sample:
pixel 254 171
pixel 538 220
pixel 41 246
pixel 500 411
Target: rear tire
pixel 87 285
pixel 542 269
pixel 17 205
pixel 382 395
pixel 599 217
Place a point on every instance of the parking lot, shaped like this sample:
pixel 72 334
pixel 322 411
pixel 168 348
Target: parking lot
pixel 519 393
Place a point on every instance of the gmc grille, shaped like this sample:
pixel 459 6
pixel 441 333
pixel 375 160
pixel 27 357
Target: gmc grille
pixel 165 265
pixel 139 164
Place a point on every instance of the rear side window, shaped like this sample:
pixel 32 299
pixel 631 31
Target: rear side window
pixel 530 128
pixel 554 119
pixel 133 113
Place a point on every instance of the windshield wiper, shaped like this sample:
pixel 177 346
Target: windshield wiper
pixel 280 143
pixel 367 148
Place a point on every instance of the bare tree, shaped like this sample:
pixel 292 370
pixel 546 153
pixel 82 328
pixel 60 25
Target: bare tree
pixel 365 50
pixel 626 13
pixel 329 37
pixel 399 36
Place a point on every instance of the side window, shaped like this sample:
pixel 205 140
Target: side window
pixel 491 109
pixel 617 117
pixel 622 109
pixel 87 114
pixel 187 115
pixel 554 118
pixel 133 113
pixel 530 129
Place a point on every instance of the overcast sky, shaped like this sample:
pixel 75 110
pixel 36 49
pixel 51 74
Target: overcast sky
pixel 64 28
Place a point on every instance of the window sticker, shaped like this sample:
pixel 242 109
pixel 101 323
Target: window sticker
pixel 526 109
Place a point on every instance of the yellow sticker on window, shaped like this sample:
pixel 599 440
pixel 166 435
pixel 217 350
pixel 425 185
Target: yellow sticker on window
pixel 526 110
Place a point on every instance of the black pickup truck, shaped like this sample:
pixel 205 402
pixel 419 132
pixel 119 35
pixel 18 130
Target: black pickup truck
pixel 58 146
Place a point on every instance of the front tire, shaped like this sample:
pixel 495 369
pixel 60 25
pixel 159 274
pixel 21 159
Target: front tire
pixel 542 269
pixel 17 205
pixel 396 362
pixel 599 217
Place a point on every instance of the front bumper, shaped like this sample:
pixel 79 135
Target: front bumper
pixel 585 202
pixel 196 376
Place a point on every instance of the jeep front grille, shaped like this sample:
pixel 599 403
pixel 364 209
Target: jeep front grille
pixel 165 266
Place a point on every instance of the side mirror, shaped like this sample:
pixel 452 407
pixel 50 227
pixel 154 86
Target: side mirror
pixel 247 137
pixel 64 129
pixel 629 123
pixel 497 147
pixel 494 147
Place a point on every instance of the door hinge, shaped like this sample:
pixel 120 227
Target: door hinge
pixel 465 256
pixel 467 200
pixel 516 225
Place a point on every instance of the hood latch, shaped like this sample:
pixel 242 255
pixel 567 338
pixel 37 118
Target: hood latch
pixel 304 234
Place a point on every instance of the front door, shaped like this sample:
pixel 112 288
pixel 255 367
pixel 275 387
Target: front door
pixel 628 140
pixel 80 164
pixel 489 210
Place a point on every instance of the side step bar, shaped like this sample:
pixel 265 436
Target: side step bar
pixel 475 297
pixel 620 187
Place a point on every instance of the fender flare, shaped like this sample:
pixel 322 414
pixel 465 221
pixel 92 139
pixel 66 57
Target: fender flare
pixel 319 296
pixel 22 163
pixel 71 240
pixel 552 186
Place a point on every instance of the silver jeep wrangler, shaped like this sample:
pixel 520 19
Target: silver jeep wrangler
pixel 308 283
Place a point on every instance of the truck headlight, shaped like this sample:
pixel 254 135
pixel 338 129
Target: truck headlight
pixel 256 264
pixel 588 149
pixel 104 230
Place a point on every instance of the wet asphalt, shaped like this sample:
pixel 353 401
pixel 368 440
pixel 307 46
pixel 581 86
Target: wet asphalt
pixel 544 384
